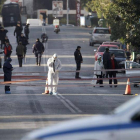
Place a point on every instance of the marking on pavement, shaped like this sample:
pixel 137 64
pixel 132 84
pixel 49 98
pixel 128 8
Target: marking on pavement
pixel 35 73
pixel 66 104
pixel 69 104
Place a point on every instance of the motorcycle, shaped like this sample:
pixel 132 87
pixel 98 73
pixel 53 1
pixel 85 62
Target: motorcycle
pixel 57 30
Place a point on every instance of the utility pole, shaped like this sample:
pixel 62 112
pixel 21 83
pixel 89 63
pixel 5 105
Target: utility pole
pixel 67 12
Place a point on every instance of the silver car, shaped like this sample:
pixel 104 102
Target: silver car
pixel 99 35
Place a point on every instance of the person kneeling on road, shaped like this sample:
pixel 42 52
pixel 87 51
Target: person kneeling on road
pixel 7 69
pixel 98 67
pixel 54 66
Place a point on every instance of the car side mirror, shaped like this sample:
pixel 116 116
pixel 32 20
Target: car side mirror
pixel 90 32
pixel 95 50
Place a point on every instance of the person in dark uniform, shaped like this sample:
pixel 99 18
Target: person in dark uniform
pixel 78 60
pixel 38 50
pixel 24 41
pixel 26 31
pixel 20 53
pixel 106 60
pixel 6 40
pixel 112 74
pixel 7 69
pixel 18 31
pixel 44 38
pixel 3 33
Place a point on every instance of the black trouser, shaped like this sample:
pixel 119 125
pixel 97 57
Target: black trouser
pixel 6 57
pixel 100 81
pixel 27 35
pixel 7 77
pixel 25 50
pixel 78 67
pixel 20 57
pixel 38 58
pixel 2 43
pixel 112 74
pixel 17 37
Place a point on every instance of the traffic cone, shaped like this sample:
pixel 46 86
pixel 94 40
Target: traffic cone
pixel 128 88
pixel 46 88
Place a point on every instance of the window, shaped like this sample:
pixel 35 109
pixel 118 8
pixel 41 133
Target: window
pixel 102 31
pixel 118 53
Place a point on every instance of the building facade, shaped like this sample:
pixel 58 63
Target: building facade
pixel 34 5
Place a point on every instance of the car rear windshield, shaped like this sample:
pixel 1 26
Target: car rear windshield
pixel 102 31
pixel 102 49
pixel 118 53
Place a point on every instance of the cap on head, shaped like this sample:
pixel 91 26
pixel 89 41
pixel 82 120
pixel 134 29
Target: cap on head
pixel 78 47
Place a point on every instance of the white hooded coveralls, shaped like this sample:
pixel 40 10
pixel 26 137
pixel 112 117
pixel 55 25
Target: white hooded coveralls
pixel 53 76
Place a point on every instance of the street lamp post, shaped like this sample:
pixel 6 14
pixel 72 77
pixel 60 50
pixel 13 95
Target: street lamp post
pixel 67 12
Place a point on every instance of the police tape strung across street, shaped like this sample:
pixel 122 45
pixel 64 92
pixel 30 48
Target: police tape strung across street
pixel 38 78
pixel 79 71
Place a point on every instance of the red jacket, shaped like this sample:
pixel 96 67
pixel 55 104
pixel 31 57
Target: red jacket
pixel 7 49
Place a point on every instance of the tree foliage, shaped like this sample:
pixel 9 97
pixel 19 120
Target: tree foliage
pixel 122 16
pixel 1 4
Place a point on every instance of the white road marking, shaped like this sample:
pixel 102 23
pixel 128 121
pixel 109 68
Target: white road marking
pixel 19 74
pixel 66 104
pixel 71 104
pixel 35 73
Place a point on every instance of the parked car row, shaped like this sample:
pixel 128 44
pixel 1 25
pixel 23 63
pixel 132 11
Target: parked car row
pixel 102 36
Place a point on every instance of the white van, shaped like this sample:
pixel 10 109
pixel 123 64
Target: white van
pixel 34 22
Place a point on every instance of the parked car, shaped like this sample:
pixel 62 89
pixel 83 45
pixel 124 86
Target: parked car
pixel 101 49
pixel 132 70
pixel 121 124
pixel 99 35
pixel 113 43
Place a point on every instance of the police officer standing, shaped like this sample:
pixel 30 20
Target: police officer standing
pixel 26 31
pixel 7 69
pixel 18 31
pixel 38 50
pixel 78 60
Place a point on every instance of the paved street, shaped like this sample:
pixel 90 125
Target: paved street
pixel 27 109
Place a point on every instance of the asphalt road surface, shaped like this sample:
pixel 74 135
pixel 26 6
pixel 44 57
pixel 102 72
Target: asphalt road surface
pixel 27 109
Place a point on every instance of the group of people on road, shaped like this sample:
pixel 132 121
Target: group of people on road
pixel 22 41
pixel 103 68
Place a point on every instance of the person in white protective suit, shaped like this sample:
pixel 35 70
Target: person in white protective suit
pixel 54 66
